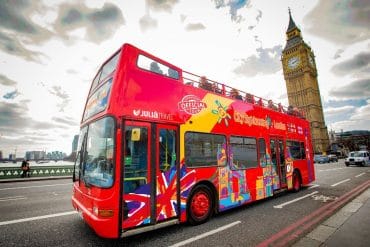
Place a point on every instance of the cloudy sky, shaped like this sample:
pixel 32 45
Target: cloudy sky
pixel 51 50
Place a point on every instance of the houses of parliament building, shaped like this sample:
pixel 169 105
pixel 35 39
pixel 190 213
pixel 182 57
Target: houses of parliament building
pixel 300 74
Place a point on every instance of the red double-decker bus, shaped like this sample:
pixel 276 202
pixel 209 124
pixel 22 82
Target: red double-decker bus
pixel 160 146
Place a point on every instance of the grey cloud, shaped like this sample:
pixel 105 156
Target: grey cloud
pixel 100 24
pixel 18 29
pixel 359 64
pixel 11 95
pixel 58 91
pixel 6 81
pixel 233 6
pixel 267 61
pixel 65 120
pixel 12 16
pixel 259 16
pixel 71 71
pixel 18 129
pixel 161 5
pixel 13 116
pixel 338 53
pixel 10 44
pixel 46 125
pixel 147 22
pixel 340 21
pixel 355 90
pixel 194 27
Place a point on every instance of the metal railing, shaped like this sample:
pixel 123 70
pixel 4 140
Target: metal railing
pixel 40 171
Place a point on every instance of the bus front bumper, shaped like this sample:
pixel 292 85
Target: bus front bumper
pixel 104 227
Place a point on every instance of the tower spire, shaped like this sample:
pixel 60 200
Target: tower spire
pixel 292 24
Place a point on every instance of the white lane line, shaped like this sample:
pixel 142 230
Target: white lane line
pixel 190 240
pixel 333 169
pixel 295 200
pixel 343 181
pixel 12 198
pixel 359 175
pixel 35 186
pixel 313 186
pixel 36 218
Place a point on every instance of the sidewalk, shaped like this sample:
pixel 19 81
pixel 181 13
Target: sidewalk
pixel 27 179
pixel 350 226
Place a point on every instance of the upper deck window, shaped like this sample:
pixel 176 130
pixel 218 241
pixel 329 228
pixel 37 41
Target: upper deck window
pixel 156 67
pixel 98 101
pixel 105 70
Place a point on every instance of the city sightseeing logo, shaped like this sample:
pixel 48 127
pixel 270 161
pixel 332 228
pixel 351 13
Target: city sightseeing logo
pixel 191 104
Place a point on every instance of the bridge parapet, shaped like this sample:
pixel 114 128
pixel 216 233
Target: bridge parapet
pixel 36 171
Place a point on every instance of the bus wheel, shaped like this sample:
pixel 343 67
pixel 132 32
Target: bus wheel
pixel 296 181
pixel 200 205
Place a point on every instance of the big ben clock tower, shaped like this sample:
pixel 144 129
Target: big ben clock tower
pixel 300 75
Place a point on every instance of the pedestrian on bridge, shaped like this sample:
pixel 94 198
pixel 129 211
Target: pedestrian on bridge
pixel 25 168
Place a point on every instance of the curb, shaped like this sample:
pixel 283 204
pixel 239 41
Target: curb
pixel 15 180
pixel 325 230
pixel 293 232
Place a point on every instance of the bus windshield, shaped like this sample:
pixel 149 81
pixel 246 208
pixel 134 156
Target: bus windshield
pixel 97 167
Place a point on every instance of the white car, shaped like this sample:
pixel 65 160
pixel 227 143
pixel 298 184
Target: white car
pixel 358 158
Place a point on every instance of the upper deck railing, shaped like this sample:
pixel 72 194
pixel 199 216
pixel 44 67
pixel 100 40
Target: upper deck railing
pixel 222 89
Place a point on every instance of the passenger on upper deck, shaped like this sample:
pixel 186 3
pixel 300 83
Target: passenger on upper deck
pixel 271 105
pixel 215 88
pixel 290 110
pixel 155 68
pixel 203 83
pixel 234 93
pixel 281 108
pixel 259 102
pixel 249 98
pixel 297 112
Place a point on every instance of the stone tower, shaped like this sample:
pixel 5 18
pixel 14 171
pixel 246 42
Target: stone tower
pixel 300 74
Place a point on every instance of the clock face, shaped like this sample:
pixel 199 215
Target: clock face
pixel 310 60
pixel 293 62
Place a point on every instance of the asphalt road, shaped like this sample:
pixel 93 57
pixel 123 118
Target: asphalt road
pixel 39 213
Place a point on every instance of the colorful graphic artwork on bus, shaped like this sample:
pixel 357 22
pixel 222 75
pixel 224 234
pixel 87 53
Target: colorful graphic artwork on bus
pixel 222 114
pixel 138 202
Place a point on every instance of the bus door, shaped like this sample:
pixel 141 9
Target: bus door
pixel 278 159
pixel 149 174
pixel 166 173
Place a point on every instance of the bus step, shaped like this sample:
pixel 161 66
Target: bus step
pixel 149 228
pixel 280 191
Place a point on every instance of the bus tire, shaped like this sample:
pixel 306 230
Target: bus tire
pixel 200 205
pixel 297 181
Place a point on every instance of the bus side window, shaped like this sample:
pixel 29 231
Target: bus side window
pixel 167 149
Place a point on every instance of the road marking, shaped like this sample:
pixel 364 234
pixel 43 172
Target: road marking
pixel 343 181
pixel 3 223
pixel 359 175
pixel 294 231
pixel 12 198
pixel 35 186
pixel 313 186
pixel 295 200
pixel 324 198
pixel 190 240
pixel 333 169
